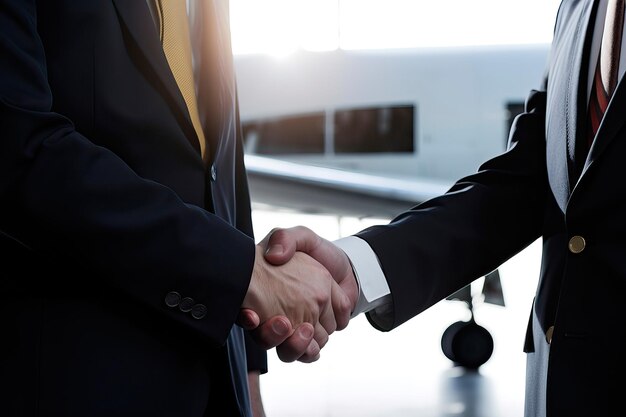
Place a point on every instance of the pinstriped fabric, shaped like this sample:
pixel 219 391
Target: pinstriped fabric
pixel 607 70
pixel 177 47
pixel 598 103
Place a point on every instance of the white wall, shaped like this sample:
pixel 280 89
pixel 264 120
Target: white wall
pixel 460 95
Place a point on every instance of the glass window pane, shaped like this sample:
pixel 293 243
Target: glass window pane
pixel 375 129
pixel 296 134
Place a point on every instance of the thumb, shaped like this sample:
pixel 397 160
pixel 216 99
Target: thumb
pixel 248 319
pixel 280 246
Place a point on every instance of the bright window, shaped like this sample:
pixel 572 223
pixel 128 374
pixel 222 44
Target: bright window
pixel 282 26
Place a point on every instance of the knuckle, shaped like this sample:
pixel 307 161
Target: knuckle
pixel 323 342
pixel 277 233
pixel 345 307
pixel 315 312
pixel 343 322
pixel 301 229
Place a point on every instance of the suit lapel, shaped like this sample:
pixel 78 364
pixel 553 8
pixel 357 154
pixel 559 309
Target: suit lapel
pixel 611 124
pixel 137 21
pixel 579 154
pixel 567 105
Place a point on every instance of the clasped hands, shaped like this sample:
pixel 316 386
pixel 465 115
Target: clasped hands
pixel 302 290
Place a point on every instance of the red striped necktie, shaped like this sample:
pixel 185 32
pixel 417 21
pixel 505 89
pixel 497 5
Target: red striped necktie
pixel 607 71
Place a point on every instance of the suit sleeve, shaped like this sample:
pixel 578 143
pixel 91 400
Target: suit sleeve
pixel 255 355
pixel 81 203
pixel 444 244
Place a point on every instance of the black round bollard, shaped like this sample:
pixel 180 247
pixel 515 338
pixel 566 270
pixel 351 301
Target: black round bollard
pixel 467 344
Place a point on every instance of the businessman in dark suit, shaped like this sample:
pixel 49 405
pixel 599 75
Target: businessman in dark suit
pixel 561 180
pixel 125 231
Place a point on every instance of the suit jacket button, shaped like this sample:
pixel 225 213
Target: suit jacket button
pixel 213 173
pixel 198 311
pixel 186 304
pixel 576 244
pixel 172 299
pixel 549 334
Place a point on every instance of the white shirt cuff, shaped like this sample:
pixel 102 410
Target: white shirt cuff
pixel 373 288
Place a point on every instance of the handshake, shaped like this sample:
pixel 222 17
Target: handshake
pixel 302 290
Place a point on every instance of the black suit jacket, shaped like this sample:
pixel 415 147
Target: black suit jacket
pixel 107 209
pixel 543 186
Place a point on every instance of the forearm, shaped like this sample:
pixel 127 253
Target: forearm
pixel 445 243
pixel 256 400
pixel 67 199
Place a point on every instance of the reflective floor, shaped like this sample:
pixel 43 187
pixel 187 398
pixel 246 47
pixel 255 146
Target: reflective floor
pixel 366 373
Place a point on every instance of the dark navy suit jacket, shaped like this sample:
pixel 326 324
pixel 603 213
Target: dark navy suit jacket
pixel 107 210
pixel 545 186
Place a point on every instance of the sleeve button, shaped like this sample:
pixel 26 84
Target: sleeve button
pixel 186 304
pixel 198 311
pixel 172 299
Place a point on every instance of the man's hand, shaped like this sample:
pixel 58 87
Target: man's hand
pixel 300 293
pixel 276 330
pixel 281 245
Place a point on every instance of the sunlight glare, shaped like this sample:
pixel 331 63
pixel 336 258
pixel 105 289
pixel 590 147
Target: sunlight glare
pixel 279 27
pixel 373 24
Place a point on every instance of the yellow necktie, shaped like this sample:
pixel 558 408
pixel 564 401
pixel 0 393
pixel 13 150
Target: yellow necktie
pixel 177 47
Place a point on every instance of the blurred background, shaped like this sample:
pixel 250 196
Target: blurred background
pixel 354 110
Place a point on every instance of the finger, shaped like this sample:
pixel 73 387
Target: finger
pixel 273 332
pixel 350 288
pixel 327 315
pixel 311 354
pixel 320 336
pixel 248 319
pixel 342 306
pixel 298 344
